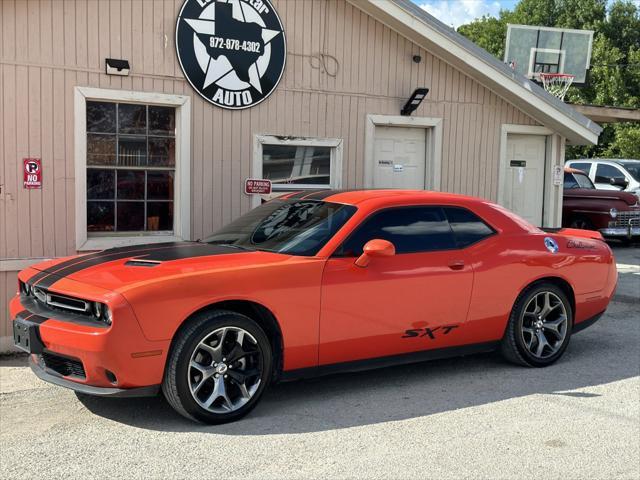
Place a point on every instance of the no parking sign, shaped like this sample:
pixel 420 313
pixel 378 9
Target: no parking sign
pixel 32 172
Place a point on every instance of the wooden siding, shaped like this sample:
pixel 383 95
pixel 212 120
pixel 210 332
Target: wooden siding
pixel 341 65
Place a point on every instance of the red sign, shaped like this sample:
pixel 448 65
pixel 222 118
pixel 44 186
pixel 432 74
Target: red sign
pixel 257 186
pixel 32 170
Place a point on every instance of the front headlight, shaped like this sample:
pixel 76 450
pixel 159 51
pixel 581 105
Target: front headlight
pixel 102 312
pixel 23 288
pixel 107 316
pixel 613 212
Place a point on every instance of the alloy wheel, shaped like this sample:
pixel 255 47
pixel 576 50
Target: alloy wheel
pixel 225 370
pixel 544 325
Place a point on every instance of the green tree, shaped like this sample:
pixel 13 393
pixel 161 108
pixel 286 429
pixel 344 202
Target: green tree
pixel 532 12
pixel 580 14
pixel 626 143
pixel 488 32
pixel 614 77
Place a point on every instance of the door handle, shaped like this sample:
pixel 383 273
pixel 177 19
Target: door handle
pixel 456 265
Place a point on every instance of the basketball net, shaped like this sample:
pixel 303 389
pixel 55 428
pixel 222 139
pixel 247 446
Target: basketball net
pixel 556 83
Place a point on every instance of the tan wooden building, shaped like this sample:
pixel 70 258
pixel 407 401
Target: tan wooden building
pixel 144 157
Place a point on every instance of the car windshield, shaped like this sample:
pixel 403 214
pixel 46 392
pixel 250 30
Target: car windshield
pixel 633 168
pixel 296 227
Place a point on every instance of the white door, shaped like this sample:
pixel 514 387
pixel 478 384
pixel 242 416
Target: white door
pixel 399 158
pixel 523 179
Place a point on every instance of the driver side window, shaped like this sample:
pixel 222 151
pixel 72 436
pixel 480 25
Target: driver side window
pixel 605 172
pixel 410 229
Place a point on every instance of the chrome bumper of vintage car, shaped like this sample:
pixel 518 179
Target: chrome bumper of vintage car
pixel 620 232
pixel 625 224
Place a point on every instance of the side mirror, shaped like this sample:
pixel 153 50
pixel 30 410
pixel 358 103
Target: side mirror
pixel 619 182
pixel 375 248
pixel 601 179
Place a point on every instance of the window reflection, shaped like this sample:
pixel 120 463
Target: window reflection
pixel 297 165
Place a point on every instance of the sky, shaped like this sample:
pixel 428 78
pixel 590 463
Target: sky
pixel 457 12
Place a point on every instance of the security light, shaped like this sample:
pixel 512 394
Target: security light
pixel 414 100
pixel 114 66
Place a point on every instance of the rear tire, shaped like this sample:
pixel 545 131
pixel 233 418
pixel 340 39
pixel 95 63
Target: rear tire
pixel 218 368
pixel 539 327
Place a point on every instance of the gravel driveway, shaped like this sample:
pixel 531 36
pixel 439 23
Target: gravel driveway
pixel 473 417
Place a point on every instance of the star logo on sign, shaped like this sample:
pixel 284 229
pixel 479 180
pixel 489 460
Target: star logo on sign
pixel 232 43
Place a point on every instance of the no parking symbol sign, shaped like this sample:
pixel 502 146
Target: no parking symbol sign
pixel 32 171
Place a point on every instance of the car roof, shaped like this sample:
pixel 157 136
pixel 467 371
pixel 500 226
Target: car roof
pixel 619 161
pixel 355 197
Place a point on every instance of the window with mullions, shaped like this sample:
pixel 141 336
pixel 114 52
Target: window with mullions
pixel 130 167
pixel 292 167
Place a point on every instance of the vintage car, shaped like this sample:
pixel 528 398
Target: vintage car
pixel 311 283
pixel 613 213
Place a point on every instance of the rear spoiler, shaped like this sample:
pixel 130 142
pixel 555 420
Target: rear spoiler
pixel 574 232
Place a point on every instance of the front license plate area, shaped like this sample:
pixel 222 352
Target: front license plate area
pixel 26 336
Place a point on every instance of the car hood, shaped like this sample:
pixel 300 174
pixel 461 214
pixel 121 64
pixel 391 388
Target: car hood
pixel 605 195
pixel 117 269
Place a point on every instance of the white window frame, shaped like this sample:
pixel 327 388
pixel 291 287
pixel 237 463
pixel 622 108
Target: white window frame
pixel 182 186
pixel 335 167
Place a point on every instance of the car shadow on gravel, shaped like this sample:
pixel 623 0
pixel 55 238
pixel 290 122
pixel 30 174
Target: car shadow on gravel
pixel 607 352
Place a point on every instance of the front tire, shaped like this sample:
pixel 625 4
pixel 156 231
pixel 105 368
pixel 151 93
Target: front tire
pixel 218 367
pixel 539 327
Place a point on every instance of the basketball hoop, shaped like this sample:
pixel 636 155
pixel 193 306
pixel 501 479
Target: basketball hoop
pixel 556 83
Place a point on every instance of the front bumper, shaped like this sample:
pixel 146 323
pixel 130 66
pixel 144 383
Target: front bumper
pixel 626 232
pixel 43 373
pixel 625 224
pixel 98 360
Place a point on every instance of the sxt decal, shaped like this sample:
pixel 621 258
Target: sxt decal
pixel 429 332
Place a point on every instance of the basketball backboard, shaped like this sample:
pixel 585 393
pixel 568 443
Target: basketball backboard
pixel 532 50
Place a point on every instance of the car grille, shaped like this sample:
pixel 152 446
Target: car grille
pixel 57 301
pixel 65 366
pixel 624 219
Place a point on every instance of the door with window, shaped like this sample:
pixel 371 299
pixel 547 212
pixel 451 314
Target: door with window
pixel 415 300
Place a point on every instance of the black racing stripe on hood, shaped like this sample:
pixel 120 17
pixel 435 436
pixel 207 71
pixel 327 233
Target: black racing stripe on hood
pixel 86 258
pixel 192 251
pixel 108 256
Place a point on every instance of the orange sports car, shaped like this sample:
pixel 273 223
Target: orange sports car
pixel 310 283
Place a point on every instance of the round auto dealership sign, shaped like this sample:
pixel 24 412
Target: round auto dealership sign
pixel 232 53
